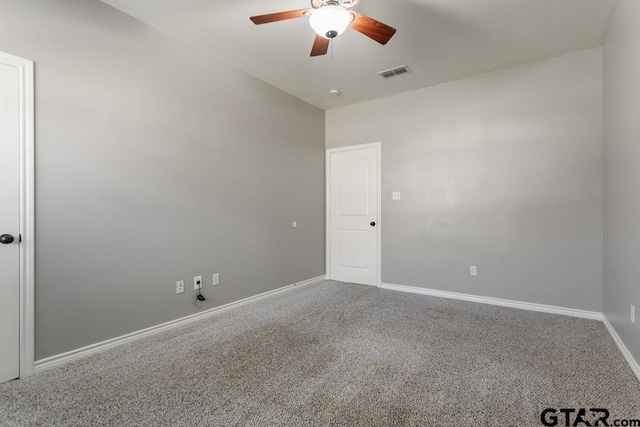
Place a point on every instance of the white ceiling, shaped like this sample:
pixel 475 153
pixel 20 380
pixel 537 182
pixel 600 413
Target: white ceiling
pixel 440 40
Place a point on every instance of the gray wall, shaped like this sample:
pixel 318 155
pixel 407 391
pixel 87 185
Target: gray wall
pixel 622 173
pixel 502 171
pixel 157 163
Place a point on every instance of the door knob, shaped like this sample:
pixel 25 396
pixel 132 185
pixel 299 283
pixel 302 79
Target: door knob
pixel 5 239
pixel 373 224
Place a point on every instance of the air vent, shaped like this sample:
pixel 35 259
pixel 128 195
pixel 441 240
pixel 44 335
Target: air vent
pixel 387 74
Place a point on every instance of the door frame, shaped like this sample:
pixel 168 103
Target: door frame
pixel 329 152
pixel 27 210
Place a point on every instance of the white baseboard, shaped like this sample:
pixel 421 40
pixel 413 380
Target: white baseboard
pixel 635 367
pixel 497 301
pixel 61 359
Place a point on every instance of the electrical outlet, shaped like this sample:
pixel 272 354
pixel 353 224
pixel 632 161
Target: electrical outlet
pixel 395 195
pixel 216 279
pixel 197 282
pixel 633 314
pixel 179 286
pixel 473 270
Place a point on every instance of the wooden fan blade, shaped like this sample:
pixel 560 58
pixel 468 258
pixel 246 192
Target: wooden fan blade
pixel 320 46
pixel 371 28
pixel 279 16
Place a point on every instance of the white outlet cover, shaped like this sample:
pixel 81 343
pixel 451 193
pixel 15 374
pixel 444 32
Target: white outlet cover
pixel 216 279
pixel 180 287
pixel 633 314
pixel 473 270
pixel 395 195
pixel 197 282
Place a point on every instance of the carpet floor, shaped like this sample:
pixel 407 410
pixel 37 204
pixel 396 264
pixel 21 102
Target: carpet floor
pixel 339 354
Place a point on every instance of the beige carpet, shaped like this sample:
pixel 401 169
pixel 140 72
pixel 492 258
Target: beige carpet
pixel 339 354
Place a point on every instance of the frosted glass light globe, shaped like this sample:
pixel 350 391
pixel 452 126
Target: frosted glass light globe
pixel 330 21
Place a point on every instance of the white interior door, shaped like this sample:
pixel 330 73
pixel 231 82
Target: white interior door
pixel 353 212
pixel 10 119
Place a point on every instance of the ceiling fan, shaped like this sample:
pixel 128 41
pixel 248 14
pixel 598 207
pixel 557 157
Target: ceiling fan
pixel 329 19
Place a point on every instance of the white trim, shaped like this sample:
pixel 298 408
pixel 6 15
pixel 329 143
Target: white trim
pixel 327 214
pixel 378 147
pixel 594 315
pixel 61 359
pixel 27 204
pixel 69 356
pixel 633 364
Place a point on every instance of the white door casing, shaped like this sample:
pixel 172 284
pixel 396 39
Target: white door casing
pixel 16 217
pixel 353 205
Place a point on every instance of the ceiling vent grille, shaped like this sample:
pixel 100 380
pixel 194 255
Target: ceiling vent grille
pixel 393 72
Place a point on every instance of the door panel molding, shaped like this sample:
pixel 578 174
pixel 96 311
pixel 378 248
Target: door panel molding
pixel 27 209
pixel 329 152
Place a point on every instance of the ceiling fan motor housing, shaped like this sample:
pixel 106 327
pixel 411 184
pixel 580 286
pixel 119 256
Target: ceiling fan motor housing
pixel 316 4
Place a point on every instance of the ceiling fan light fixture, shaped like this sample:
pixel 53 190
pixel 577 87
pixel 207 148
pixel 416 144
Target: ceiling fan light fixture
pixel 330 21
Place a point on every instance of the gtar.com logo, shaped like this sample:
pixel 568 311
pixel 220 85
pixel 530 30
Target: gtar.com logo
pixel 586 417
